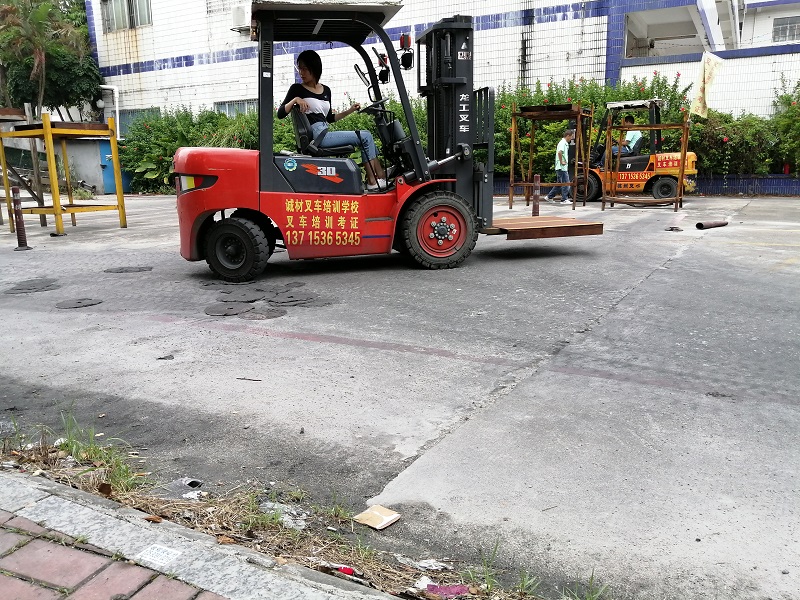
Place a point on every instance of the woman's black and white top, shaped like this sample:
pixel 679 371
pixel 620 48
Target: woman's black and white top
pixel 319 105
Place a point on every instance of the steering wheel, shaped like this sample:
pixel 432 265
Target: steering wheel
pixel 374 106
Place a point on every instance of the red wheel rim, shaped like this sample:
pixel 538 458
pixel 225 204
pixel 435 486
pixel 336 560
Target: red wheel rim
pixel 441 231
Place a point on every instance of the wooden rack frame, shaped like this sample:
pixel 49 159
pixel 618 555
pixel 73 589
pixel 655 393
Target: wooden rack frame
pixel 614 161
pixel 560 112
pixel 51 132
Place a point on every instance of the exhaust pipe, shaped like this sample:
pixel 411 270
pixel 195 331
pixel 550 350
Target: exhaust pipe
pixel 710 224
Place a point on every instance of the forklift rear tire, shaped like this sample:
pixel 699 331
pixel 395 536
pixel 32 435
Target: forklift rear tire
pixel 439 230
pixel 665 187
pixel 237 249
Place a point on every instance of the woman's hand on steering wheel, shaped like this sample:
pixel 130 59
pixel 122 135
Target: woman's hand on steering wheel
pixel 373 106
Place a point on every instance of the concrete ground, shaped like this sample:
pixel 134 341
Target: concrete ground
pixel 625 403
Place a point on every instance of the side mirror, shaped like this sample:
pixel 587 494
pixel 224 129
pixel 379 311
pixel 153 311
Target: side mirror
pixel 407 57
pixel 383 65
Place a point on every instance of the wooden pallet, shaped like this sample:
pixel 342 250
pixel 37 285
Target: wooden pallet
pixel 534 228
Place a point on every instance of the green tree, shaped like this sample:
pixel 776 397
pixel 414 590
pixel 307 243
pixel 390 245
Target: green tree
pixel 71 80
pixel 31 29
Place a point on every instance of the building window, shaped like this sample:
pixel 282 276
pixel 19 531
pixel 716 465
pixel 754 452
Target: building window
pixel 786 29
pixel 125 14
pixel 235 107
pixel 127 117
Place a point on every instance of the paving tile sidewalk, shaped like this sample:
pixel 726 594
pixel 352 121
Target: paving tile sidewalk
pixel 58 543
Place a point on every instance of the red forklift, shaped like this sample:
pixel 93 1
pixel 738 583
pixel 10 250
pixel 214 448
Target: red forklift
pixel 236 206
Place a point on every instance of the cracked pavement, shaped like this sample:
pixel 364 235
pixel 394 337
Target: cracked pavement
pixel 625 403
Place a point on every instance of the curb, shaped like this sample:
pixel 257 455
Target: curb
pixel 231 571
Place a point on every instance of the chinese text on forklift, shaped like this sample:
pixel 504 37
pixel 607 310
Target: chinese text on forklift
pixel 235 206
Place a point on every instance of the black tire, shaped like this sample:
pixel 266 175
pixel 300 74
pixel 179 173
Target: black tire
pixel 237 249
pixel 665 187
pixel 262 221
pixel 439 230
pixel 592 188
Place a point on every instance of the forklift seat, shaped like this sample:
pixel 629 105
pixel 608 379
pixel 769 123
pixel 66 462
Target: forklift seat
pixel 307 143
pixel 637 147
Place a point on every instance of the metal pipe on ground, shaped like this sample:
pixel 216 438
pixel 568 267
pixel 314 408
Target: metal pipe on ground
pixel 22 240
pixel 710 224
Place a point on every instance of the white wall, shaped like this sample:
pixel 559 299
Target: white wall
pixel 566 48
pixel 742 85
pixel 757 29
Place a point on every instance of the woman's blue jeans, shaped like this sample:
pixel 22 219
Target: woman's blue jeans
pixel 347 138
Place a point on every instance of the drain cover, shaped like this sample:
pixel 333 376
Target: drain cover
pixel 263 314
pixel 128 269
pixel 33 285
pixel 240 296
pixel 217 284
pixel 227 309
pixel 289 298
pixel 79 303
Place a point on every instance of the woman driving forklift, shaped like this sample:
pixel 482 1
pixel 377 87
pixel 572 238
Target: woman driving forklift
pixel 314 99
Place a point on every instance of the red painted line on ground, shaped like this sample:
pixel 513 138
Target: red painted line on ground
pixel 354 342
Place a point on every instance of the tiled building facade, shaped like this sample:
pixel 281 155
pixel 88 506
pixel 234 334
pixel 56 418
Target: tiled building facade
pixel 173 53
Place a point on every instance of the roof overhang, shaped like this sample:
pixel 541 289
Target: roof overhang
pixel 347 21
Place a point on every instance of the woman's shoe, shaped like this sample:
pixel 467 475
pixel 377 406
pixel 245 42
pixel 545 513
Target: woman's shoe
pixel 379 185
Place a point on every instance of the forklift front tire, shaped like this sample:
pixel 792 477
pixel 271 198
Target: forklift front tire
pixel 439 230
pixel 665 187
pixel 237 249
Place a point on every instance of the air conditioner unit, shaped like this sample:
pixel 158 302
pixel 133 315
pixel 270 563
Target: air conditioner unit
pixel 240 17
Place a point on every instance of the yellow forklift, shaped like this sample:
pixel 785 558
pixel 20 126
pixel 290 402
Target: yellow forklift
pixel 645 169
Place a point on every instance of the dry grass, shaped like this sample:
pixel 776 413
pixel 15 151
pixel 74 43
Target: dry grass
pixel 235 518
pixel 330 537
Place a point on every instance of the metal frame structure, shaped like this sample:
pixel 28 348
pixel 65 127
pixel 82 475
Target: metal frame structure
pixel 612 163
pixel 52 132
pixel 574 113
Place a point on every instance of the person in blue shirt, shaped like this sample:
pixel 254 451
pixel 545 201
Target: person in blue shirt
pixel 314 99
pixel 633 136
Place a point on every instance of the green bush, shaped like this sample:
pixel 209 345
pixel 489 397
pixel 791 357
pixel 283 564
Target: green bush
pixel 587 93
pixel 724 144
pixel 787 125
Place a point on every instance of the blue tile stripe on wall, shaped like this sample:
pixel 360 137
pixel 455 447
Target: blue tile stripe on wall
pixel 92 34
pixel 550 14
pixel 615 50
pixel 615 10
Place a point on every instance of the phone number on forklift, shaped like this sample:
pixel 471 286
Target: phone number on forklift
pixel 323 238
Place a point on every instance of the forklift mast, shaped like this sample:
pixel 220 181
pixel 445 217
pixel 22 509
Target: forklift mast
pixel 460 118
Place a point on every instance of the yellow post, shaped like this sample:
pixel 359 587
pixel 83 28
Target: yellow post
pixel 123 218
pixel 6 186
pixel 52 170
pixel 66 176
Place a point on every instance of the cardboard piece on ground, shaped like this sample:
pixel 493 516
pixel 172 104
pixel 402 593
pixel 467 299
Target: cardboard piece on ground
pixel 377 517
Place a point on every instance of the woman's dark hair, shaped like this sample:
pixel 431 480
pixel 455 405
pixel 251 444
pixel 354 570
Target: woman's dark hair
pixel 312 62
